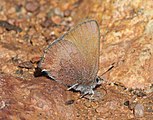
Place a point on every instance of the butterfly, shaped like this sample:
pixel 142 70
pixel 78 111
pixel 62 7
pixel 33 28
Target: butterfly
pixel 73 58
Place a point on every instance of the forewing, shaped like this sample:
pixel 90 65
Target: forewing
pixel 74 57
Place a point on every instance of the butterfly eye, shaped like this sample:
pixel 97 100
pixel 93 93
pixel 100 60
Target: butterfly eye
pixel 98 80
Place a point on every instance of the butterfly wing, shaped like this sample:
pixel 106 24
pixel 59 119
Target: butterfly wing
pixel 74 57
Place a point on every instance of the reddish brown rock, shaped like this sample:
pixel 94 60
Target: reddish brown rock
pixel 33 99
pixel 126 43
pixel 133 61
pixel 126 40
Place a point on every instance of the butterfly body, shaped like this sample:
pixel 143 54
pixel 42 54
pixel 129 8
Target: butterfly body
pixel 73 59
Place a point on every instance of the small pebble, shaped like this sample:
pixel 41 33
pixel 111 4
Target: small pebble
pixel 9 26
pixel 47 23
pixel 32 6
pixel 18 8
pixel 69 102
pixel 27 65
pixel 2 105
pixel 139 110
pixel 19 71
pixel 58 12
pixel 67 13
pixel 56 19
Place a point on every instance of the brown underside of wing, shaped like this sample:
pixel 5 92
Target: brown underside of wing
pixel 64 62
pixel 74 58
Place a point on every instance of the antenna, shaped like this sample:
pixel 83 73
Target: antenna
pixel 112 65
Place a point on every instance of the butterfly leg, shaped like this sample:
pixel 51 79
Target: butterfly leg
pixel 48 74
pixel 73 86
pixel 87 92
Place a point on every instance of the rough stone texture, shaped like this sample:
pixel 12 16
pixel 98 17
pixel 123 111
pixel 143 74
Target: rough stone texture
pixel 33 99
pixel 126 41
pixel 134 61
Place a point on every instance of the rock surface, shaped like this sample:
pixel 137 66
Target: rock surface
pixel 126 43
pixel 33 99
